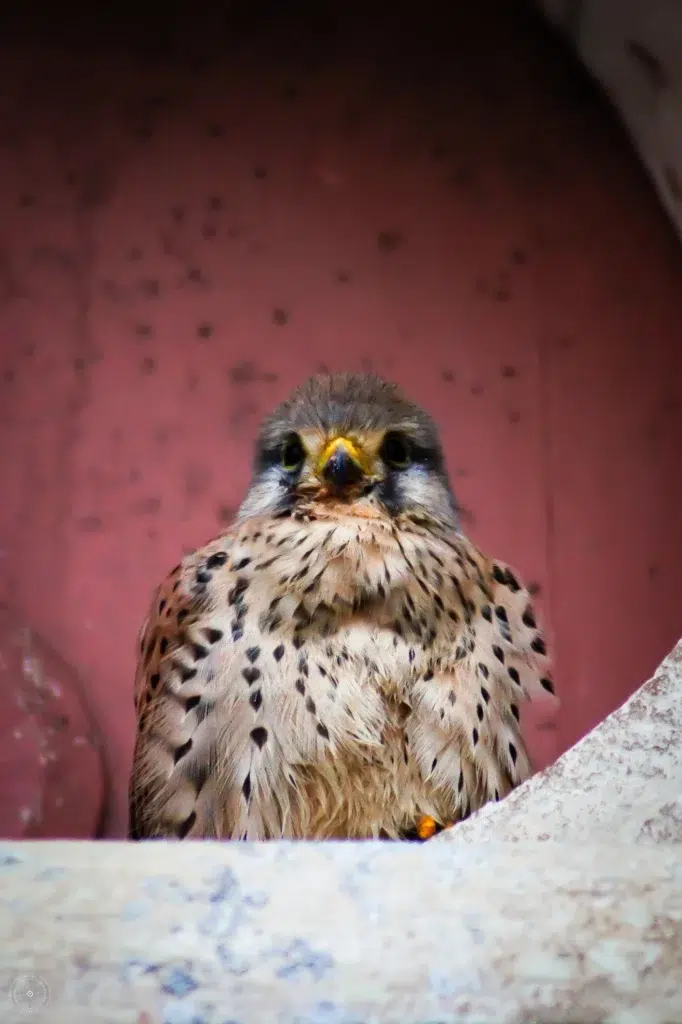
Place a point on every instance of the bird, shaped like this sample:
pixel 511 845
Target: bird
pixel 342 662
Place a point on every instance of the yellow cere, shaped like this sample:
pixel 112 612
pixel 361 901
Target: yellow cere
pixel 355 452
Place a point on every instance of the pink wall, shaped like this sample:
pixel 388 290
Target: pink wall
pixel 190 225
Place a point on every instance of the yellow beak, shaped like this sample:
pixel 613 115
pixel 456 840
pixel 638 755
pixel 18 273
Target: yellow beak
pixel 342 463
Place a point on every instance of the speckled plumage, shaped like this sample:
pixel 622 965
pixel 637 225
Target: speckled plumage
pixel 341 661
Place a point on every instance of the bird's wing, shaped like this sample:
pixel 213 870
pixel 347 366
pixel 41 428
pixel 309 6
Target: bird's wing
pixel 196 688
pixel 466 732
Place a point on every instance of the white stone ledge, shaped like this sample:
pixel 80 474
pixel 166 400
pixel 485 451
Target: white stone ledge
pixel 343 933
pixel 584 930
pixel 621 783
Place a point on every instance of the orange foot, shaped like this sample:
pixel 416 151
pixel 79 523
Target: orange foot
pixel 427 827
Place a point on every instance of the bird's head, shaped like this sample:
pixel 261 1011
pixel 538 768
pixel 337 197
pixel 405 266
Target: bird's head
pixel 355 442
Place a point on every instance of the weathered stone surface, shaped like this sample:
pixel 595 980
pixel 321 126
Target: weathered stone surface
pixel 51 774
pixel 634 51
pixel 341 933
pixel 346 933
pixel 621 783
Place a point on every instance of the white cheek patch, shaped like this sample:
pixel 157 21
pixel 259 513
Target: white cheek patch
pixel 264 496
pixel 419 489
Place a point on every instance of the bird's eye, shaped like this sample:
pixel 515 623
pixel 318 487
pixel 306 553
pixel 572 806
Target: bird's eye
pixel 395 450
pixel 292 453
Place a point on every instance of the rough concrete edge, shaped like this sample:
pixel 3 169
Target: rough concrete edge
pixel 621 783
pixel 339 933
pixel 647 99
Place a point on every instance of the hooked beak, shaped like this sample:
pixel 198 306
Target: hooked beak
pixel 341 464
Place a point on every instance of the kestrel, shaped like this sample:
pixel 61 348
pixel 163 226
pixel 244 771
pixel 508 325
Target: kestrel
pixel 342 662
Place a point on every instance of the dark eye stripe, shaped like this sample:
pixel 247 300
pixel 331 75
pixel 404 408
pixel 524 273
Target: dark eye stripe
pixel 429 458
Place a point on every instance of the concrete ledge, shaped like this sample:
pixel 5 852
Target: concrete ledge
pixel 586 930
pixel 621 783
pixel 634 51
pixel 340 933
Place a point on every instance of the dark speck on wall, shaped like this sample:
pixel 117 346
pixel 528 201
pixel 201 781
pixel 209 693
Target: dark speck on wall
pixel 196 481
pixel 534 588
pixel 205 330
pixel 509 372
pixel 242 373
pixel 518 257
pixel 215 203
pixel 550 726
pixel 260 173
pixel 90 524
pixel 148 366
pixel 209 231
pixel 150 287
pixel 147 506
pixel 280 317
pixel 144 330
pixel 389 241
pixel 477 390
pixel 177 214
pixel 462 177
pixel 514 416
pixel 447 376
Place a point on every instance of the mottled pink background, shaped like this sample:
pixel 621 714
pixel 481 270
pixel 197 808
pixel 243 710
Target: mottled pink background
pixel 196 214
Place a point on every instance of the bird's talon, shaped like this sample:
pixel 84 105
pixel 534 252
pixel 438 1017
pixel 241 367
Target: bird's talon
pixel 428 827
